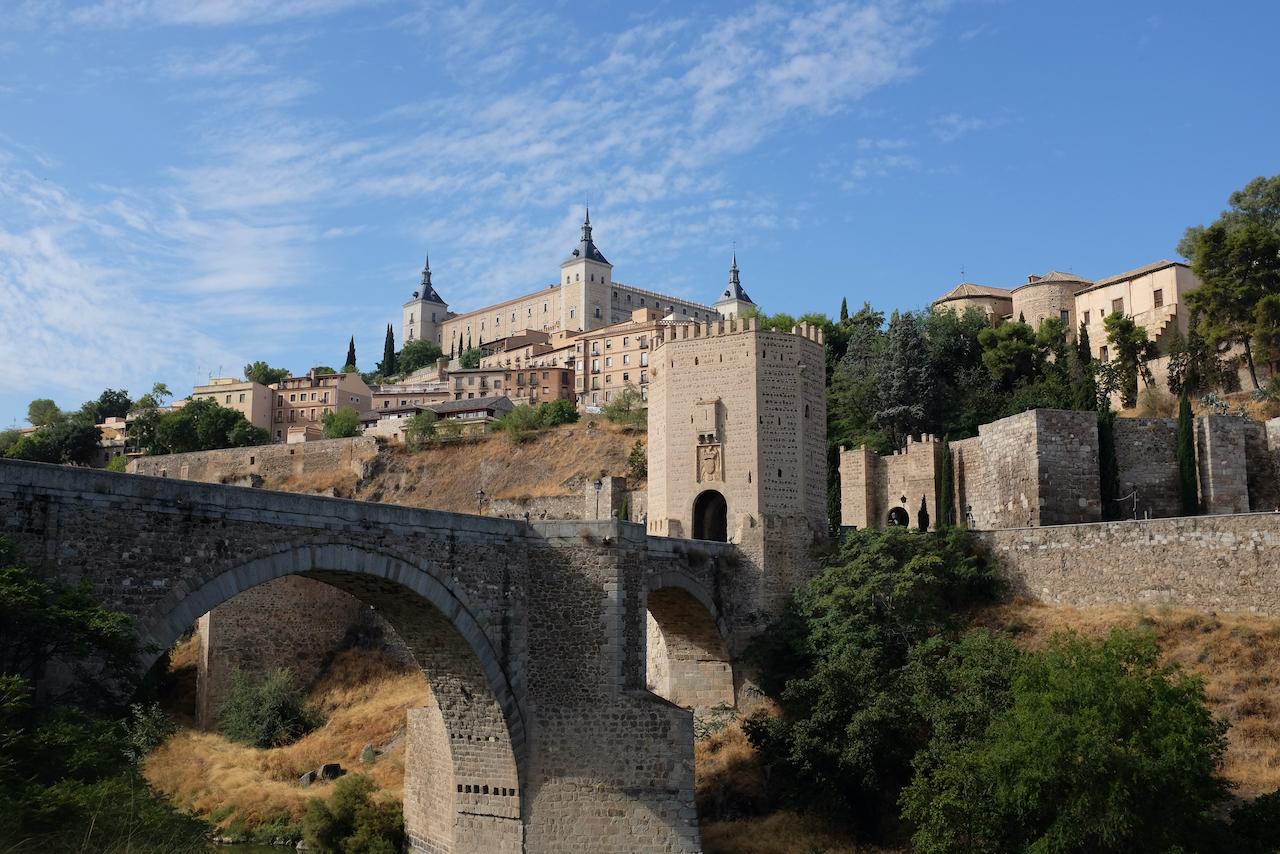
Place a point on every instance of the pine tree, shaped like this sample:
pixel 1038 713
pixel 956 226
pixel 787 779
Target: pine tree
pixel 1188 482
pixel 350 363
pixel 388 365
pixel 844 310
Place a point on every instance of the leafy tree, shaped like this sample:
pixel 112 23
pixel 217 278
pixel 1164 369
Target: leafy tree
pixel 1237 258
pixel 1099 748
pixel 261 372
pixel 42 412
pixel 1051 338
pixel 421 430
pixel 349 364
pixel 118 464
pixel 556 412
pixel 112 403
pixel 470 357
pixel 321 370
pixel 1188 477
pixel 387 367
pixel 908 389
pixel 1011 354
pixel 157 397
pixel 638 462
pixel 34 447
pixel 1132 352
pixel 417 354
pixel 8 438
pixel 342 423
pixel 202 425
pixel 75 441
pixel 627 409
pixel 835 659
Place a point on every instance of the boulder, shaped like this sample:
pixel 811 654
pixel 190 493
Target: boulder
pixel 307 779
pixel 330 771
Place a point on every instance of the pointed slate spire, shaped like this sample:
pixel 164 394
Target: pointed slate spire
pixel 586 246
pixel 427 290
pixel 734 290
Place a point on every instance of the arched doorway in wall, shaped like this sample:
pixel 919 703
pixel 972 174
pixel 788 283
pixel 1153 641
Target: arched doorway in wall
pixel 898 517
pixel 711 517
pixel 463 784
pixel 686 661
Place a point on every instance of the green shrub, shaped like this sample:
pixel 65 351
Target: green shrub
pixel 420 432
pixel 148 726
pixel 341 423
pixel 556 412
pixel 352 822
pixel 627 409
pixel 835 662
pixel 1098 748
pixel 118 464
pixel 266 713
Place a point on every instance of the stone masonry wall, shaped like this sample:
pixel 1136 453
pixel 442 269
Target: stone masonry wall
pixel 1147 462
pixel 290 622
pixel 996 482
pixel 240 465
pixel 1222 461
pixel 1224 563
pixel 871 484
pixel 1264 486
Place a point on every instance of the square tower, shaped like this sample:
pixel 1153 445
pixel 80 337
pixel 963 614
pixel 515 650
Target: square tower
pixel 737 431
pixel 585 279
pixel 424 314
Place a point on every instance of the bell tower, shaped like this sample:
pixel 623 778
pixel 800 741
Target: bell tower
pixel 586 277
pixel 425 312
pixel 734 299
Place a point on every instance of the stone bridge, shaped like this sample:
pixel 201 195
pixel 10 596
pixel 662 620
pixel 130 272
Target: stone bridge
pixel 537 641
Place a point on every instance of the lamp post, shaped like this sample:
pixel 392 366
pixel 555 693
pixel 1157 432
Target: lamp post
pixel 480 502
pixel 599 484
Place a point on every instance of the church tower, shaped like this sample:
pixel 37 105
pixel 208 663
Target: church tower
pixel 585 281
pixel 734 299
pixel 424 312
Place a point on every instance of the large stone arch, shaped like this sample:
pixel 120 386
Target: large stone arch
pixel 687 658
pixel 465 752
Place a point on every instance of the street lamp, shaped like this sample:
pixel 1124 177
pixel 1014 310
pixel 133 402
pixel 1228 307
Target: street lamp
pixel 599 484
pixel 480 501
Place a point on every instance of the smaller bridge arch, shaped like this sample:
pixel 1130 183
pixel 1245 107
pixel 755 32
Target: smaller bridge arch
pixel 686 655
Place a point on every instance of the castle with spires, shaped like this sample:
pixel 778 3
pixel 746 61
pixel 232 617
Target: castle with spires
pixel 583 298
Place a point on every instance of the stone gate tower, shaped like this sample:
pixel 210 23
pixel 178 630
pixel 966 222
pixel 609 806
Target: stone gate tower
pixel 737 448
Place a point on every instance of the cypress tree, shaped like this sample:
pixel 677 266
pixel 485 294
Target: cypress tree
pixel 922 518
pixel 1022 318
pixel 844 310
pixel 1084 387
pixel 351 355
pixel 1188 481
pixel 946 496
pixel 1108 467
pixel 388 366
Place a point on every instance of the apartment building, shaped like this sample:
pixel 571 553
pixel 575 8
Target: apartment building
pixel 1153 295
pixel 616 358
pixel 252 400
pixel 301 401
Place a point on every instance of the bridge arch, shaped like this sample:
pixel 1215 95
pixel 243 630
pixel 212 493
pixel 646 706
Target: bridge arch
pixel 465 751
pixel 686 654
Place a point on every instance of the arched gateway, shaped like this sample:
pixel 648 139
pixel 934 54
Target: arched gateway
pixel 541 735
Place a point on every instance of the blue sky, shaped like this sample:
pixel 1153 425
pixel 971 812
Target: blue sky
pixel 186 186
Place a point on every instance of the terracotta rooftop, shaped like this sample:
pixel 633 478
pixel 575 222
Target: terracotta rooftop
pixel 969 289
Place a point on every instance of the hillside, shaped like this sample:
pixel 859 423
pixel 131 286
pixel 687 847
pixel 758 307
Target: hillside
pixel 552 462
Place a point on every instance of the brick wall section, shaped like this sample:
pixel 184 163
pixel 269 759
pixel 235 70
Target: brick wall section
pixel 1222 462
pixel 240 464
pixel 1147 461
pixel 1224 563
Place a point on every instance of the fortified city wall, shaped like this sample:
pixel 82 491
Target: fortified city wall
pixel 1042 467
pixel 1208 563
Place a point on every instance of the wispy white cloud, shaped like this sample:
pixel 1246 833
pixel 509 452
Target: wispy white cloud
pixel 120 13
pixel 952 126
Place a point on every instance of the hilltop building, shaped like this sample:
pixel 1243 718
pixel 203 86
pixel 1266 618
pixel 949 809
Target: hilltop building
pixel 584 297
pixel 250 399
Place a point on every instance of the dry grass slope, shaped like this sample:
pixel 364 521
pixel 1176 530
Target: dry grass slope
pixel 364 696
pixel 556 461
